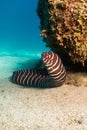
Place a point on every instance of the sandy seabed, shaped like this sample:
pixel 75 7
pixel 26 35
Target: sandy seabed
pixel 61 108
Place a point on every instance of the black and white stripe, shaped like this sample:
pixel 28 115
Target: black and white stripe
pixel 53 75
pixel 55 68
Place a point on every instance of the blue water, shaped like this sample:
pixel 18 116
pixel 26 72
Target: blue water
pixel 20 42
pixel 19 26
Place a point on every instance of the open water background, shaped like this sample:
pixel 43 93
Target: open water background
pixel 20 42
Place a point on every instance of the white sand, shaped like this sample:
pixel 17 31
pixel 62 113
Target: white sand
pixel 62 108
pixel 9 63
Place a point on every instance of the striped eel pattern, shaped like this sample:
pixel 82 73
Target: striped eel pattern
pixel 53 75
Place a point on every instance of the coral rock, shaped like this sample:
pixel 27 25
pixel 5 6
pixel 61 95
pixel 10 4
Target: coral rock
pixel 64 27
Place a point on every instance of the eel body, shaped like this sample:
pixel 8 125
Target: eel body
pixel 53 75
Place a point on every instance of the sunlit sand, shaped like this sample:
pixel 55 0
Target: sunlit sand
pixel 21 108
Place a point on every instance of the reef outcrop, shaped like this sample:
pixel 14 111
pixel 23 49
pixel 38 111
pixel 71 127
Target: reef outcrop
pixel 63 25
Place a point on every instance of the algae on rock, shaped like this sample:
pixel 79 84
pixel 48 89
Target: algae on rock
pixel 64 27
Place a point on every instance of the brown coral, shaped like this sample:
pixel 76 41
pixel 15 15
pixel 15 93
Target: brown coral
pixel 64 27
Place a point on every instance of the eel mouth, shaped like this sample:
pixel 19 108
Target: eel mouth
pixel 46 58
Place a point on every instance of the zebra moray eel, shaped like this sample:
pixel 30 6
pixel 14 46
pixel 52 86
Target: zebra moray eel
pixel 52 75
